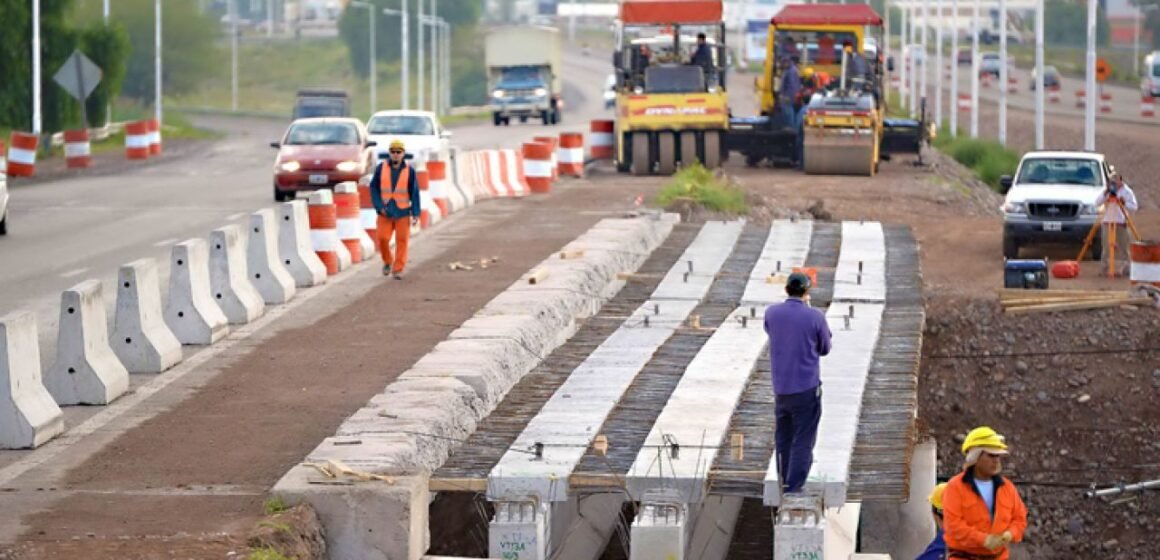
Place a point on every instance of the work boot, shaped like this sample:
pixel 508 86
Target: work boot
pixel 386 270
pixel 398 276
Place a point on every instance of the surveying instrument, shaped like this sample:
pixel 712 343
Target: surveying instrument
pixel 1114 184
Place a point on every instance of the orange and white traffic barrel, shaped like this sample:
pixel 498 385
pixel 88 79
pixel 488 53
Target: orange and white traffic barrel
pixel 423 178
pixel 986 80
pixel 154 136
pixel 3 156
pixel 1080 98
pixel 1147 106
pixel 137 140
pixel 78 151
pixel 964 103
pixel 1053 95
pixel 1105 102
pixel 538 166
pixel 600 138
pixel 553 142
pixel 571 154
pixel 1012 84
pixel 348 226
pixel 368 218
pixel 22 154
pixel 440 189
pixel 1145 262
pixel 324 228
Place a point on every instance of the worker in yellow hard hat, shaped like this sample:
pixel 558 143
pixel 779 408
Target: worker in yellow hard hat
pixel 937 549
pixel 982 511
pixel 395 194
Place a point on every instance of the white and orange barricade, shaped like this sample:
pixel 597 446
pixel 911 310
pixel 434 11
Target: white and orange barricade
pixel 3 156
pixel 324 229
pixel 601 140
pixel 512 173
pixel 437 175
pixel 554 143
pixel 1147 106
pixel 22 154
pixel 964 102
pixel 538 166
pixel 137 140
pixel 1054 95
pixel 368 219
pixel 571 154
pixel 78 152
pixel 1145 262
pixel 986 80
pixel 1012 84
pixel 1105 102
pixel 1080 98
pixel 347 222
pixel 154 127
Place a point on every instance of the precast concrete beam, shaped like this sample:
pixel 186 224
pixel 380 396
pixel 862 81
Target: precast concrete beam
pixel 661 529
pixel 713 527
pixel 519 530
pixel 490 366
pixel 787 247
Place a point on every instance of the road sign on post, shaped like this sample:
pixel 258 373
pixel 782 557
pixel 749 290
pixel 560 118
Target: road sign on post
pixel 1103 70
pixel 79 77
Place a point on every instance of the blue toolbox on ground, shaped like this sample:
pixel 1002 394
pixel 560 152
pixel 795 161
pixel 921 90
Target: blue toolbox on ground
pixel 1025 274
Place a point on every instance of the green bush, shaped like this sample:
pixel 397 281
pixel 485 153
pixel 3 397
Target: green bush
pixel 701 186
pixel 988 159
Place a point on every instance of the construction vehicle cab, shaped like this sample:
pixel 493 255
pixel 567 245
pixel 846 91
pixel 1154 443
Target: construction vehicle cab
pixel 671 105
pixel 838 116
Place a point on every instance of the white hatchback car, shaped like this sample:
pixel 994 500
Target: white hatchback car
pixel 3 199
pixel 420 131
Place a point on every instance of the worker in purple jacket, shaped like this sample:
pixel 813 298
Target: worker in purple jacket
pixel 798 338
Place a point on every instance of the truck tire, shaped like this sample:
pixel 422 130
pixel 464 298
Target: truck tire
pixel 712 149
pixel 496 119
pixel 1010 246
pixel 689 148
pixel 280 196
pixel 556 116
pixel 523 119
pixel 546 117
pixel 666 153
pixel 641 158
pixel 4 223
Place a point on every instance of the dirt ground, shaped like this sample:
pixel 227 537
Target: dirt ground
pixel 190 483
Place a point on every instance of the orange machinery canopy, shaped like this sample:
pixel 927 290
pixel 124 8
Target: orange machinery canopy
pixel 671 12
pixel 827 14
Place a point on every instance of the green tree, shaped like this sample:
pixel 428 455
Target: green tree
pixel 354 30
pixel 189 52
pixel 108 48
pixel 1065 23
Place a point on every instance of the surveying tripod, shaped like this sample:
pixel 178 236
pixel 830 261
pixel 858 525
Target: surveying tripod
pixel 1111 242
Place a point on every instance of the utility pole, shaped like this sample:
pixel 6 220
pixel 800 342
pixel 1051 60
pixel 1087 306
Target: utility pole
pixel 903 60
pixel 1089 136
pixel 912 50
pixel 1039 78
pixel 36 109
pixel 572 22
pixel 447 84
pixel 105 11
pixel 269 18
pixel 372 74
pixel 925 67
pixel 419 55
pixel 1003 72
pixel 938 64
pixel 157 61
pixel 975 71
pixel 434 55
pixel 405 54
pixel 233 11
pixel 954 68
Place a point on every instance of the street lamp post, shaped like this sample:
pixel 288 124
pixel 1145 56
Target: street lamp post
pixel 1039 77
pixel 1004 72
pixel 36 110
pixel 233 11
pixel 372 75
pixel 938 63
pixel 435 68
pixel 954 104
pixel 404 54
pixel 975 70
pixel 419 54
pixel 1089 136
pixel 157 62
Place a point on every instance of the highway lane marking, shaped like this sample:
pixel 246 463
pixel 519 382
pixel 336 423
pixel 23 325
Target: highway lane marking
pixel 165 242
pixel 233 217
pixel 74 272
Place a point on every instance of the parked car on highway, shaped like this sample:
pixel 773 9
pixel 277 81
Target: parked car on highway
pixel 989 64
pixel 3 201
pixel 963 58
pixel 320 102
pixel 419 130
pixel 1052 199
pixel 1150 82
pixel 1051 78
pixel 320 153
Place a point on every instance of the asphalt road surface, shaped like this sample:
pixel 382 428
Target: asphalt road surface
pixel 67 231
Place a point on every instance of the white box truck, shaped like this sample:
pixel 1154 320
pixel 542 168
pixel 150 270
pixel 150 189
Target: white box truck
pixel 524 74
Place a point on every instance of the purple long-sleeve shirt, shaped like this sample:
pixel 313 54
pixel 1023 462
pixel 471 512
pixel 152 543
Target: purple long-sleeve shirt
pixel 798 338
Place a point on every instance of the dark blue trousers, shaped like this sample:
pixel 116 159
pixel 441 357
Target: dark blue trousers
pixel 797 417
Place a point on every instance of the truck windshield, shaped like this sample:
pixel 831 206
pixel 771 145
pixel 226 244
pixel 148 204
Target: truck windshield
pixel 308 133
pixel 674 79
pixel 1060 171
pixel 820 47
pixel 407 125
pixel 521 77
pixel 1156 69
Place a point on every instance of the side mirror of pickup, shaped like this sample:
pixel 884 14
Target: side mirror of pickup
pixel 1005 183
pixel 371 143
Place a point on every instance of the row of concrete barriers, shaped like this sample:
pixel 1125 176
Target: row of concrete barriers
pixel 142 141
pixel 227 282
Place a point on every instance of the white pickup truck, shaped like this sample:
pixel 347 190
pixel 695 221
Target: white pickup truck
pixel 1052 199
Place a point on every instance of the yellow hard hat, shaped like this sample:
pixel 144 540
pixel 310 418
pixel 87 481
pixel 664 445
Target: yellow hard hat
pixel 984 436
pixel 808 73
pixel 936 496
pixel 397 145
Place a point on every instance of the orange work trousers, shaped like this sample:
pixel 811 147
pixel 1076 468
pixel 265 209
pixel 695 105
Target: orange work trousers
pixel 400 228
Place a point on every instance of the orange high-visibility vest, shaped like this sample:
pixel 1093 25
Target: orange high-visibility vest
pixel 399 192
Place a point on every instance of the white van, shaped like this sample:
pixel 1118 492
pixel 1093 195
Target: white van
pixel 1150 81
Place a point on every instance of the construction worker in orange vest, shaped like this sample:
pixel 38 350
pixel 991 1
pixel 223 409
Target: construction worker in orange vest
pixel 395 200
pixel 982 511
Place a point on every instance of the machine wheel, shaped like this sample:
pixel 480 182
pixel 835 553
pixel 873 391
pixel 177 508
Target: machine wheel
pixel 752 160
pixel 712 149
pixel 496 119
pixel 641 158
pixel 4 224
pixel 556 116
pixel 666 153
pixel 546 117
pixel 688 148
pixel 1010 246
pixel 524 119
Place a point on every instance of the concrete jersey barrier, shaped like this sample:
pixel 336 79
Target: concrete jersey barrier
pixel 141 339
pixel 29 417
pixel 86 370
